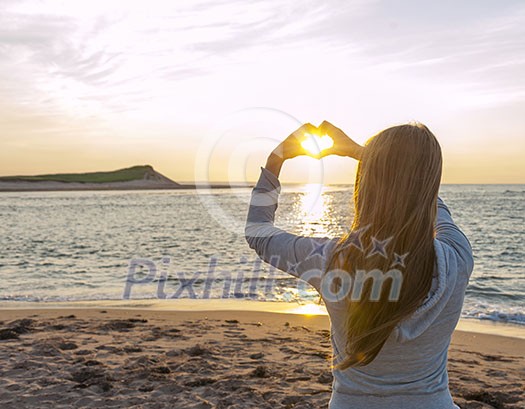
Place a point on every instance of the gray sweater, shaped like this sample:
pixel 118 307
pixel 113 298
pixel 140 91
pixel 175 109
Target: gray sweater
pixel 410 371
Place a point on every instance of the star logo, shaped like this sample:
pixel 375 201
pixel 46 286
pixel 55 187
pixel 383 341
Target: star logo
pixel 379 247
pixel 354 239
pixel 292 267
pixel 318 250
pixel 399 260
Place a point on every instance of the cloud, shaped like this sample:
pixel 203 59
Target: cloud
pixel 90 56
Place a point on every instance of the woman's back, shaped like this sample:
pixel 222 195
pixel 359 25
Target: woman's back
pixel 406 368
pixel 411 368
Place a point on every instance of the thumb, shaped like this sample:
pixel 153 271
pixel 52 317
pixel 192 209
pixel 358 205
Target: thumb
pixel 327 127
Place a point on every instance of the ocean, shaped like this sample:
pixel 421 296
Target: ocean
pixel 136 245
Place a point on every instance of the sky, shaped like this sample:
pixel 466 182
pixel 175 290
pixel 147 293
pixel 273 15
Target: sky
pixel 204 90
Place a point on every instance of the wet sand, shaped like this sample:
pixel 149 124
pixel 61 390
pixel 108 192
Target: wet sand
pixel 122 358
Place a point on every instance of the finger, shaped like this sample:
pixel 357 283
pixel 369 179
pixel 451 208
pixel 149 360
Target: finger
pixel 308 128
pixel 328 152
pixel 329 128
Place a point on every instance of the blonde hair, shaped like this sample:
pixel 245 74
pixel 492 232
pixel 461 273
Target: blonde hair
pixel 395 197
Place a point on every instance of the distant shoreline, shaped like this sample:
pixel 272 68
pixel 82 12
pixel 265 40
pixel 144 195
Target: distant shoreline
pixel 140 177
pixel 38 186
pixel 107 187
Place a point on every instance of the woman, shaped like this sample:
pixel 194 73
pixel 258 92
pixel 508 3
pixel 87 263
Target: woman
pixel 394 285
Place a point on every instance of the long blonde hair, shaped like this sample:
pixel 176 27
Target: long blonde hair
pixel 395 197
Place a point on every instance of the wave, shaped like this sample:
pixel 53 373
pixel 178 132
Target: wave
pixel 513 192
pixel 492 293
pixel 497 316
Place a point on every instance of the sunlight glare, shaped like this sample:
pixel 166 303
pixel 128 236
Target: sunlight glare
pixel 310 309
pixel 315 144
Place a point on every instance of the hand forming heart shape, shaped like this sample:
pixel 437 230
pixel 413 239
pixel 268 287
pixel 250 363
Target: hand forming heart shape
pixel 318 142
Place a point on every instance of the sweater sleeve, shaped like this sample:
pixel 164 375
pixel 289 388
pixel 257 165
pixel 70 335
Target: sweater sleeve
pixel 302 257
pixel 449 233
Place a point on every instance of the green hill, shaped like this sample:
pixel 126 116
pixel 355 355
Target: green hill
pixel 145 172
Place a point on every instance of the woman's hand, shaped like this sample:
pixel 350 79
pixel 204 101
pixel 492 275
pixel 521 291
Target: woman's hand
pixel 343 144
pixel 289 148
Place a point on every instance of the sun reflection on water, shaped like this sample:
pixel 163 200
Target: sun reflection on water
pixel 314 209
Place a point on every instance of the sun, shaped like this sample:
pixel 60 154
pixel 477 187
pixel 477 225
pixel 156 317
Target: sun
pixel 315 144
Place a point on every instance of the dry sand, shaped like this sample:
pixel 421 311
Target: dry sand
pixel 118 358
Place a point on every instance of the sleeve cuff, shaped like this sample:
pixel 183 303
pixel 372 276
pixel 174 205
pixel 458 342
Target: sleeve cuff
pixel 268 181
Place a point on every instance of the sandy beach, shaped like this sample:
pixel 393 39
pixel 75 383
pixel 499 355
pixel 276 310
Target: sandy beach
pixel 121 358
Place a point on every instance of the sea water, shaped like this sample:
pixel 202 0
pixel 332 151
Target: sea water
pixel 72 246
